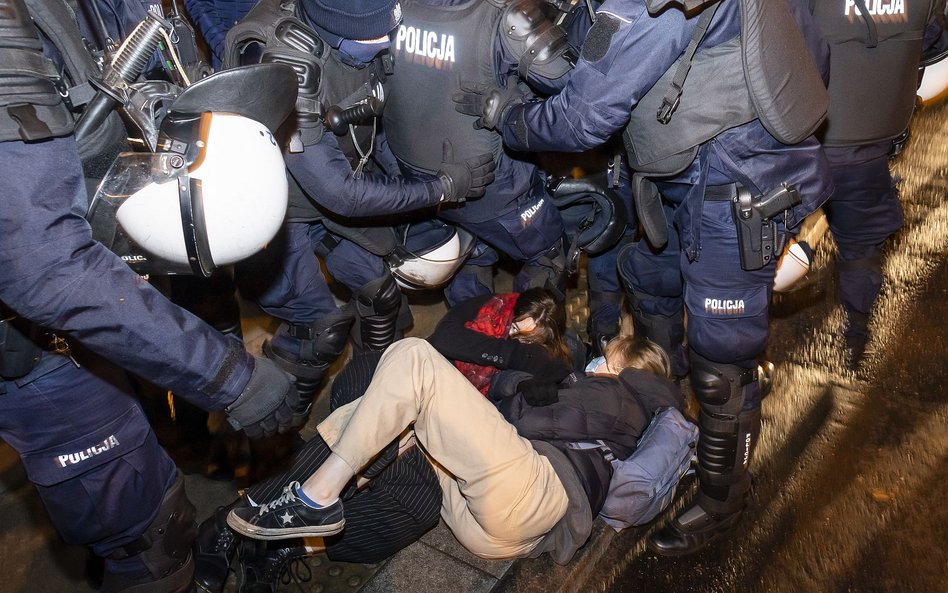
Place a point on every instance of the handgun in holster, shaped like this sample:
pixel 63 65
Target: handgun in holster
pixel 757 235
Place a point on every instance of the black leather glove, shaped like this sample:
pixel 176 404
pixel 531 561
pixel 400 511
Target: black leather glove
pixel 269 403
pixel 486 102
pixel 539 392
pixel 460 181
pixel 535 360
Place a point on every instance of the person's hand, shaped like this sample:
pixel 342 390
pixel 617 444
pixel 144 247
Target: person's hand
pixel 539 392
pixel 461 181
pixel 535 360
pixel 486 102
pixel 268 404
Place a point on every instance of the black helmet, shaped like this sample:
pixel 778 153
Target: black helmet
pixel 591 210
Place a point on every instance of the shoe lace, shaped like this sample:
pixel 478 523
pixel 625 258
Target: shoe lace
pixel 288 496
pixel 297 572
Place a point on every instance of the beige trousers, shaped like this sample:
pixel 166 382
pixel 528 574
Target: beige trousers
pixel 500 496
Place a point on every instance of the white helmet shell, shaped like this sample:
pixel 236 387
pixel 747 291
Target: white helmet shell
pixel 444 249
pixel 240 176
pixel 934 85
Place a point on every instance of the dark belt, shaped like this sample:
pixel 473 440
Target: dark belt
pixel 721 193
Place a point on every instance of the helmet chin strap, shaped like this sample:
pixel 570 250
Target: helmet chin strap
pixel 191 199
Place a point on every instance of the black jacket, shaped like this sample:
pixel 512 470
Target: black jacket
pixel 616 410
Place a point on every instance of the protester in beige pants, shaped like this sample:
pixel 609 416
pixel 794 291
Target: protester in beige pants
pixel 500 496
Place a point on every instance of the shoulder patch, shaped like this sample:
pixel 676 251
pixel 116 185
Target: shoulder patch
pixel 600 37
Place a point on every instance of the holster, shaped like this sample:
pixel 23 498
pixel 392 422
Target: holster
pixel 757 234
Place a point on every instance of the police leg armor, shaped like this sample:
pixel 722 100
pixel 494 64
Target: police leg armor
pixel 307 351
pixel 601 328
pixel 668 331
pixel 858 284
pixel 548 271
pixel 164 550
pixel 378 304
pixel 728 434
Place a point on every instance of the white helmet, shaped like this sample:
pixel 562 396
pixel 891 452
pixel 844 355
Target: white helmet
pixel 429 254
pixel 934 84
pixel 214 193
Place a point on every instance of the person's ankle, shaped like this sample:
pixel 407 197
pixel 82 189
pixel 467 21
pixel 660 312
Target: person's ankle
pixel 314 500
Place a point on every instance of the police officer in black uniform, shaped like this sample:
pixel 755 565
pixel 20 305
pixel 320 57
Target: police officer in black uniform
pixel 439 44
pixel 341 177
pixel 735 167
pixel 83 439
pixel 875 52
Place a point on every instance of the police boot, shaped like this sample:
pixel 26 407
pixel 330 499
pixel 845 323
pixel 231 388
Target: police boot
pixel 214 549
pixel 603 322
pixel 378 304
pixel 160 560
pixel 307 351
pixel 856 335
pixel 548 271
pixel 728 435
pixel 263 565
pixel 666 331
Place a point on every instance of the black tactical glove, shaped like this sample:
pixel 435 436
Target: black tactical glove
pixel 535 360
pixel 269 403
pixel 460 181
pixel 539 392
pixel 486 102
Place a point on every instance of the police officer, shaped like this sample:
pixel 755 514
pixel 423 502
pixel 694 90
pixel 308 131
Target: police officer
pixel 875 53
pixel 730 185
pixel 84 442
pixel 439 44
pixel 338 47
pixel 214 18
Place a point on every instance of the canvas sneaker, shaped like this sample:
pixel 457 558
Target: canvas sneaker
pixel 287 517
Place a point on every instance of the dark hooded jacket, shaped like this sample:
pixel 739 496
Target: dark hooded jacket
pixel 616 410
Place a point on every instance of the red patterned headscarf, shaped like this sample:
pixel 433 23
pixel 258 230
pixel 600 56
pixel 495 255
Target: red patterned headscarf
pixel 493 319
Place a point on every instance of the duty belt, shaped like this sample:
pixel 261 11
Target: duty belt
pixel 721 193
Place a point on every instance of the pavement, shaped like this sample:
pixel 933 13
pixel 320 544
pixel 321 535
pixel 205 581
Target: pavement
pixel 851 473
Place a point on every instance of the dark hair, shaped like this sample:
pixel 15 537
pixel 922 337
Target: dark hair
pixel 550 317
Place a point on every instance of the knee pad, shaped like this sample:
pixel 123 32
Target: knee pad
pixel 720 388
pixel 164 549
pixel 378 304
pixel 319 345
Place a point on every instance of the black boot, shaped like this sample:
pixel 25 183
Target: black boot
pixel 263 565
pixel 690 531
pixel 214 550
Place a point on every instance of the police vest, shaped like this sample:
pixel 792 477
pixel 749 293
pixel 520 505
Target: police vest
pixel 38 99
pixel 273 29
pixel 764 73
pixel 435 48
pixel 874 62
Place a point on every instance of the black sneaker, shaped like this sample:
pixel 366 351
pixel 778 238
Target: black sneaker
pixel 287 517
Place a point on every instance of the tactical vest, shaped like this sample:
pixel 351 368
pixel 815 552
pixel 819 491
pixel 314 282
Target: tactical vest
pixel 37 99
pixel 764 73
pixel 435 48
pixel 873 67
pixel 274 27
